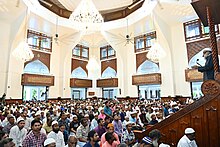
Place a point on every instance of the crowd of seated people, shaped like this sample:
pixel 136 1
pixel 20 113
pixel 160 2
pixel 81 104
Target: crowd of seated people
pixel 80 123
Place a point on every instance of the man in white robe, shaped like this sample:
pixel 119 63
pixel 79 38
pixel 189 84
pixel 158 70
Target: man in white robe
pixel 18 132
pixel 56 135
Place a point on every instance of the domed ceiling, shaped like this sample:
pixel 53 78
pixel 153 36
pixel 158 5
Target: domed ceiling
pixel 116 9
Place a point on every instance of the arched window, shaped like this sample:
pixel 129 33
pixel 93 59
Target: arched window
pixel 197 58
pixel 36 67
pixel 79 73
pixel 148 67
pixel 109 73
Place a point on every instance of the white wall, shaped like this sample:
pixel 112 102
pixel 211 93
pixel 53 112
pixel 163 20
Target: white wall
pixel 172 67
pixel 180 61
pixel 15 66
pixel 4 56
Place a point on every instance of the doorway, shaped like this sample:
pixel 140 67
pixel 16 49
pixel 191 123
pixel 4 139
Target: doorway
pixel 35 93
pixel 78 93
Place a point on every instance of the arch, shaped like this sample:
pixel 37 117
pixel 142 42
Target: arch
pixel 109 73
pixel 148 67
pixel 36 67
pixel 196 57
pixel 79 73
pixel 201 60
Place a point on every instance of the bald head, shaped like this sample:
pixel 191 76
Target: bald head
pixel 72 141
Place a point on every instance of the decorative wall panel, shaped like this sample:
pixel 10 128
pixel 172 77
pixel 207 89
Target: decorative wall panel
pixel 112 82
pixel 146 79
pixel 83 83
pixel 38 80
pixel 192 75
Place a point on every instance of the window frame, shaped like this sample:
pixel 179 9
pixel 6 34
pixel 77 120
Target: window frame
pixel 107 47
pixel 40 36
pixel 202 33
pixel 153 35
pixel 81 48
pixel 109 93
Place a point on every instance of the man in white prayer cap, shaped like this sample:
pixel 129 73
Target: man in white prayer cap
pixel 18 132
pixel 188 140
pixel 56 134
pixel 49 142
pixel 208 68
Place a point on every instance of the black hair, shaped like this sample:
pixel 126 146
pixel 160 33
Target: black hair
pixel 91 134
pixel 2 133
pixel 83 120
pixel 155 134
pixel 5 141
pixel 99 120
pixel 108 136
pixel 107 117
pixel 35 121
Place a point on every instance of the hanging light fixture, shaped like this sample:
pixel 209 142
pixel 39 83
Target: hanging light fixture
pixel 156 52
pixel 23 51
pixel 86 16
pixel 92 65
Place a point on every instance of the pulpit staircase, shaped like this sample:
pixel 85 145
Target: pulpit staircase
pixel 203 115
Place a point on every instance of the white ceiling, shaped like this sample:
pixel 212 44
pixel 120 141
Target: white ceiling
pixel 11 9
pixel 43 20
pixel 100 4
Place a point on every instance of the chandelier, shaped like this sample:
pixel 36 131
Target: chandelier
pixel 93 66
pixel 155 53
pixel 23 52
pixel 86 16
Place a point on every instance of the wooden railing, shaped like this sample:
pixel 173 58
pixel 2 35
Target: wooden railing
pixel 203 115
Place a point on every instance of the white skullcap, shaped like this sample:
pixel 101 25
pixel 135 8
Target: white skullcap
pixel 134 112
pixel 129 122
pixel 37 113
pixel 87 115
pixel 19 119
pixel 49 141
pixel 54 122
pixel 74 116
pixel 206 50
pixel 164 145
pixel 189 131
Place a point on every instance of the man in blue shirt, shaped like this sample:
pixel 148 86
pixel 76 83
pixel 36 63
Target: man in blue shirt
pixel 107 109
pixel 93 139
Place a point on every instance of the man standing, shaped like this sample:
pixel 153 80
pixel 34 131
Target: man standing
pixel 208 68
pixel 117 125
pixel 188 140
pixel 56 134
pixel 18 132
pixel 35 137
pixel 93 138
pixel 107 109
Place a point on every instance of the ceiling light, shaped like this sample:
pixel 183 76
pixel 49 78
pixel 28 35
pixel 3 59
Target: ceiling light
pixel 86 16
pixel 155 53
